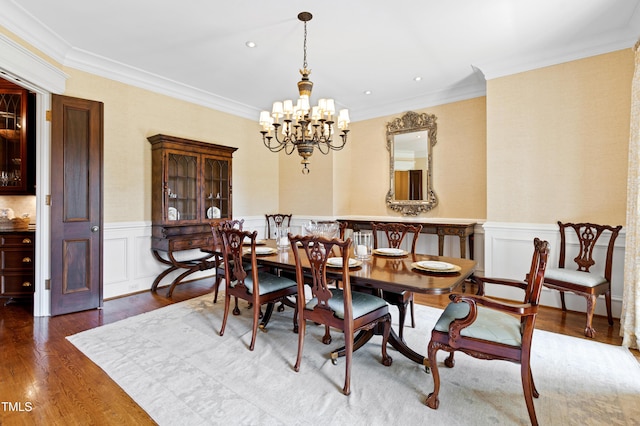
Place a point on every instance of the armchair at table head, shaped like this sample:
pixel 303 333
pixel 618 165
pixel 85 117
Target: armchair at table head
pixel 583 281
pixel 275 220
pixel 217 244
pixel 334 307
pixel 253 285
pixel 395 234
pixel 487 328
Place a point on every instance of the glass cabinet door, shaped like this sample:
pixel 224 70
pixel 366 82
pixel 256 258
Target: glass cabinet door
pixel 217 189
pixel 182 185
pixel 12 140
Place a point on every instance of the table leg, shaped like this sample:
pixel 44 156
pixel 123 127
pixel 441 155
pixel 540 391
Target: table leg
pixel 440 244
pixel 463 246
pixel 394 340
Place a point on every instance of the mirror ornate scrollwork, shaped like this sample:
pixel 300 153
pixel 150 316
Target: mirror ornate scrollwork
pixel 410 141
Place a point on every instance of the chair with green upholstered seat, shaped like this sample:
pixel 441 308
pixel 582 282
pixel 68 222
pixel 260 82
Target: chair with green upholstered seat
pixel 339 308
pixel 586 283
pixel 217 243
pixel 487 328
pixel 254 285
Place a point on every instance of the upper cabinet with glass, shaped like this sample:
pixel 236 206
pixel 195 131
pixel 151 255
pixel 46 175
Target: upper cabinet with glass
pixel 13 139
pixel 410 141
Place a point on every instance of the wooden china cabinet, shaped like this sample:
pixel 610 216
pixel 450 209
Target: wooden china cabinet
pixel 191 188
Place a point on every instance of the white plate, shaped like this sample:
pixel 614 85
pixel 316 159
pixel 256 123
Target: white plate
pixel 213 213
pixel 173 213
pixel 336 262
pixel 264 250
pixel 390 251
pixel 435 265
pixel 258 242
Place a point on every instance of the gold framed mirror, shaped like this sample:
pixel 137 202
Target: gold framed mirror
pixel 410 141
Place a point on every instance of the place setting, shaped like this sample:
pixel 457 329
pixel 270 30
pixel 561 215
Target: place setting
pixel 435 266
pixel 262 250
pixel 336 262
pixel 390 252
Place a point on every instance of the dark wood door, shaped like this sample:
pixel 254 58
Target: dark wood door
pixel 76 204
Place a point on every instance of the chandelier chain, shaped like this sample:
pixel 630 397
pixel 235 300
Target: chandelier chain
pixel 304 65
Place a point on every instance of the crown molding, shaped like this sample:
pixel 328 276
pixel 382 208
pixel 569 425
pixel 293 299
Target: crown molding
pixel 107 68
pixel 522 63
pixel 21 23
pixel 29 70
pixel 424 100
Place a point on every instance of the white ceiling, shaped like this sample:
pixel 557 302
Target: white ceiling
pixel 195 49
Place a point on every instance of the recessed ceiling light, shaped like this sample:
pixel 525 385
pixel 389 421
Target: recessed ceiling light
pixel 367 92
pixel 250 44
pixel 417 78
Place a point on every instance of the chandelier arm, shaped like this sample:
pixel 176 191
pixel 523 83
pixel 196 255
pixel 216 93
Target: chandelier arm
pixel 273 148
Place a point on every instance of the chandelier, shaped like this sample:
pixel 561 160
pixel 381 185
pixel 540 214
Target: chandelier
pixel 304 127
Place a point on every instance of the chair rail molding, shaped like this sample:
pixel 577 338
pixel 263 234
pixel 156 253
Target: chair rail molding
pixel 507 250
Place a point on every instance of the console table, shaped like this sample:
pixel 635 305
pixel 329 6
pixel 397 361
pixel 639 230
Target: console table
pixel 463 230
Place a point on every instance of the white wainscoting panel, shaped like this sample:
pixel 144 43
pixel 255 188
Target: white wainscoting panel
pixel 130 267
pixel 508 252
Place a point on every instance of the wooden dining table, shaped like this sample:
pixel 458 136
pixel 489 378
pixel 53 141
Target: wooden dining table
pixel 390 273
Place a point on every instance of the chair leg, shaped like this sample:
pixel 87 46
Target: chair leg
pixel 216 287
pixel 386 359
pixel 450 362
pixel 589 331
pixel 607 299
pixel 528 388
pixel 402 309
pixel 432 400
pixel 254 328
pixel 227 302
pixel 302 326
pixel 564 305
pixel 533 385
pixel 326 339
pixel 347 369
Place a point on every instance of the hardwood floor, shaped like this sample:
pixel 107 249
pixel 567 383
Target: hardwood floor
pixel 44 379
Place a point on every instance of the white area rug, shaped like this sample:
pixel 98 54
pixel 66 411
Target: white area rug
pixel 174 364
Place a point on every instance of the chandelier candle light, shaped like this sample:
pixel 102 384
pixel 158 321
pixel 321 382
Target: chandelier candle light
pixel 304 127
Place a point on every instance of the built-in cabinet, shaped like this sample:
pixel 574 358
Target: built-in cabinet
pixel 191 188
pixel 17 140
pixel 17 262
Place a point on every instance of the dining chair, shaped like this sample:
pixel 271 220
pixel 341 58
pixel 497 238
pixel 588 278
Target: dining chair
pixel 395 234
pixel 277 219
pixel 255 286
pixel 582 281
pixel 487 328
pixel 217 244
pixel 339 308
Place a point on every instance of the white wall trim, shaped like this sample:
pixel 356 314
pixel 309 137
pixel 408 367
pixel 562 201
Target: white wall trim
pixel 29 70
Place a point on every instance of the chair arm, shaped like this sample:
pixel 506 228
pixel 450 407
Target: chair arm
pixel 521 309
pixel 480 281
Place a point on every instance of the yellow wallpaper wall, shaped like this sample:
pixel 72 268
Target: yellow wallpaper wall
pixel 544 145
pixel 557 142
pixel 132 114
pixel 459 160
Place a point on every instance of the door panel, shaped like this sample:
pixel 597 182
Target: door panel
pixel 76 204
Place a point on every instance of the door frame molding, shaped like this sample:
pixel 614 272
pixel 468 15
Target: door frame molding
pixel 30 71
